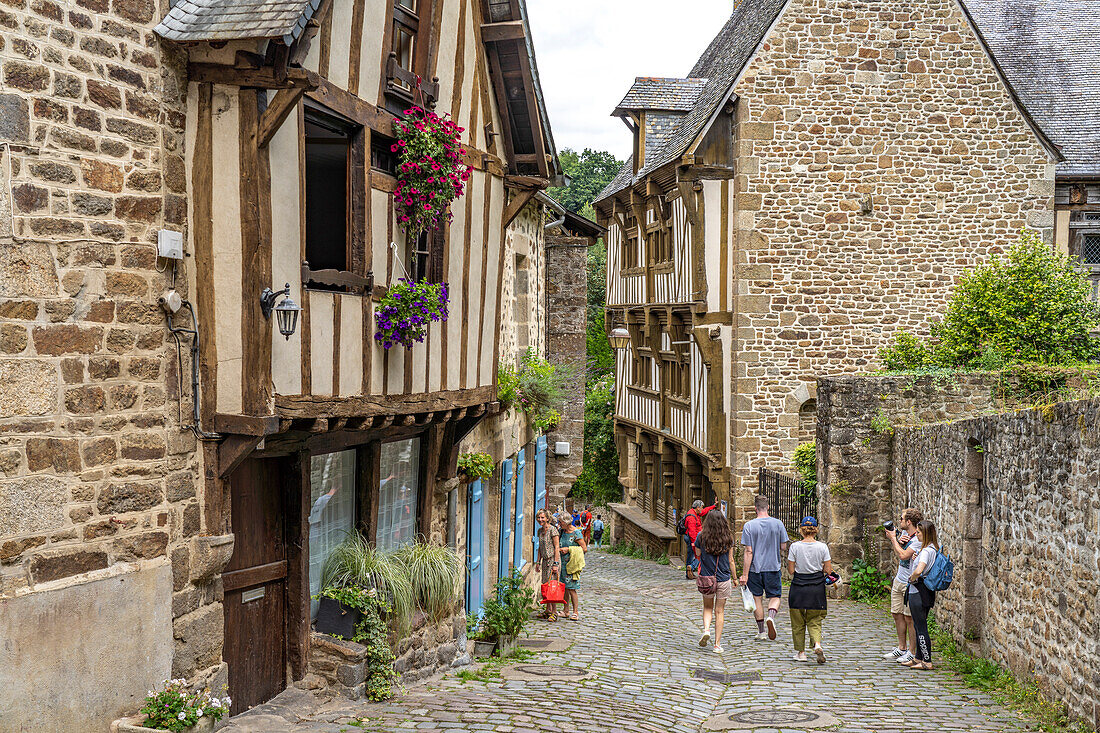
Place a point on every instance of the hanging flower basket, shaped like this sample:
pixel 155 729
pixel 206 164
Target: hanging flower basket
pixel 407 309
pixel 430 174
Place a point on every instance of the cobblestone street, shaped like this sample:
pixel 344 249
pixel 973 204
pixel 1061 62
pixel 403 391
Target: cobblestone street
pixel 632 659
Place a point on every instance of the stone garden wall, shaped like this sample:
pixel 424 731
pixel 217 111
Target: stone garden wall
pixel 1015 496
pixel 1016 500
pixel 856 420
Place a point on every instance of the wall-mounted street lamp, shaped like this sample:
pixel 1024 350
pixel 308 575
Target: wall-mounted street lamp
pixel 619 338
pixel 286 312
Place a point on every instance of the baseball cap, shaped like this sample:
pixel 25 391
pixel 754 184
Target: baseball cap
pixel 809 522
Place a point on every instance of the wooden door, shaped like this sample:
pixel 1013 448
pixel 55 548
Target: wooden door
pixel 255 584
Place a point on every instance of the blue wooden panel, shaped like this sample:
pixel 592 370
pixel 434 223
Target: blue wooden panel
pixel 475 549
pixel 517 543
pixel 504 551
pixel 540 484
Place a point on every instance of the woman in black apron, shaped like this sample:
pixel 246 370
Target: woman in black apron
pixel 808 562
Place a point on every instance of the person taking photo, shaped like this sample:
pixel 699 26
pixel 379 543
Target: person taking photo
pixel 921 598
pixel 903 541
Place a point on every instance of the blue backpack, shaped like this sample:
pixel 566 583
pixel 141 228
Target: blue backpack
pixel 939 576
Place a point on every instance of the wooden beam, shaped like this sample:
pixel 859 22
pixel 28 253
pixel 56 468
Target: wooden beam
pixel 501 94
pixel 521 199
pixel 246 424
pixel 233 450
pixel 534 116
pixel 265 77
pixel 509 30
pixel 384 406
pixel 285 102
pixel 687 195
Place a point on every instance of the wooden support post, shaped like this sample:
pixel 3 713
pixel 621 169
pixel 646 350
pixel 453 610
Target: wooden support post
pixel 521 198
pixel 285 102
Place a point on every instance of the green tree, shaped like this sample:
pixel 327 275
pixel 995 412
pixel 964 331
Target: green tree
pixel 1029 306
pixel 589 173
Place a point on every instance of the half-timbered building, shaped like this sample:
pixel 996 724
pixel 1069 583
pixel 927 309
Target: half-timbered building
pixel 816 183
pixel 181 452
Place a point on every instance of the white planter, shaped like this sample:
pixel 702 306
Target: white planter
pixel 134 725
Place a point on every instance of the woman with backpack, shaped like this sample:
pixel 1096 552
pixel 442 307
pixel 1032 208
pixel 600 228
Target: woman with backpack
pixel 920 597
pixel 713 547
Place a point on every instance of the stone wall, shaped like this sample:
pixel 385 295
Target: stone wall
pixel 95 470
pixel 878 156
pixel 567 316
pixel 427 650
pixel 857 417
pixel 1016 503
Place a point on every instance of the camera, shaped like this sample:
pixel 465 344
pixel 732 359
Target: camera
pixel 888 526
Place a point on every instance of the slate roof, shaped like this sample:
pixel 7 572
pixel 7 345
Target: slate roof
pixel 720 64
pixel 1047 50
pixel 222 20
pixel 659 93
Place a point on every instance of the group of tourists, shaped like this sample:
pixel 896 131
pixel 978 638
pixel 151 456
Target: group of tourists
pixel 765 542
pixel 562 545
pixel 916 545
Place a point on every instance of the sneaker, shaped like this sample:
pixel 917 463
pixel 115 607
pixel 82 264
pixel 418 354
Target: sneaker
pixel 894 653
pixel 704 639
pixel 770 621
pixel 800 657
pixel 761 636
pixel 718 649
pixel 820 654
pixel 905 658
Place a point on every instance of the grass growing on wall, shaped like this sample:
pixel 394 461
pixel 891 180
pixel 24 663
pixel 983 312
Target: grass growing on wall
pixel 1021 695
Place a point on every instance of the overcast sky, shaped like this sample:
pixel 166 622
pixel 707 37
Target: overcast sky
pixel 589 52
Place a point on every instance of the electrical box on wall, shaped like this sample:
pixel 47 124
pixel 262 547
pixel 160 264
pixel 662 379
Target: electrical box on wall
pixel 170 244
pixel 561 448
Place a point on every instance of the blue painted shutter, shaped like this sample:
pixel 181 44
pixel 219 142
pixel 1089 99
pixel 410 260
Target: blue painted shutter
pixel 475 547
pixel 540 484
pixel 505 518
pixel 517 545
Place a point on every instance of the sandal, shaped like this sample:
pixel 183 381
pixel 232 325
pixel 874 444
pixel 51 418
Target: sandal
pixel 551 618
pixel 574 617
pixel 911 664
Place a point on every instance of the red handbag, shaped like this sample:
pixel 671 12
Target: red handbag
pixel 553 592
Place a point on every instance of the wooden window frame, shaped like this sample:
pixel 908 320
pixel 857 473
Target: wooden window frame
pixel 630 246
pixel 398 83
pixel 356 277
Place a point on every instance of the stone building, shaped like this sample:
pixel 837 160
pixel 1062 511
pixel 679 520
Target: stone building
pixel 163 450
pixel 816 183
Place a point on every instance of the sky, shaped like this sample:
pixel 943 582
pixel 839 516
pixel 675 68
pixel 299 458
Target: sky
pixel 589 52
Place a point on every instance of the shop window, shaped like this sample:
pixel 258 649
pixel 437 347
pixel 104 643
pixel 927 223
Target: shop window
pixel 332 510
pixel 399 486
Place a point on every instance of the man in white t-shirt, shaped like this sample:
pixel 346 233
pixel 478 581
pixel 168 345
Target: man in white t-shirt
pixel 905 546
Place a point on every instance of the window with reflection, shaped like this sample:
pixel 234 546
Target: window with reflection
pixel 332 510
pixel 398 487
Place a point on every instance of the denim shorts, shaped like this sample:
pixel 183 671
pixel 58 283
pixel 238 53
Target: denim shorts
pixel 768 583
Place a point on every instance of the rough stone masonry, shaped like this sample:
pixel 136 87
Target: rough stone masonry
pixel 95 474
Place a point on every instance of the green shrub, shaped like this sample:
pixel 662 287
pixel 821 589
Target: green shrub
pixel 508 611
pixel 805 463
pixel 177 706
pixel 867 583
pixel 599 478
pixel 536 388
pixel 1031 305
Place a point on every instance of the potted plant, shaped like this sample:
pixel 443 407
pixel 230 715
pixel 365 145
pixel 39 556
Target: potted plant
pixel 537 388
pixel 430 172
pixel 338 610
pixel 176 708
pixel 357 563
pixel 475 466
pixel 434 572
pixel 506 614
pixel 406 310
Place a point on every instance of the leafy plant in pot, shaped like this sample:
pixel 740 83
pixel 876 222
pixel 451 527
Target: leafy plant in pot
pixel 476 466
pixel 506 614
pixel 357 563
pixel 176 708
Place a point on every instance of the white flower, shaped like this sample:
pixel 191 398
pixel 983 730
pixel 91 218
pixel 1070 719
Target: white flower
pixel 199 712
pixel 183 694
pixel 182 715
pixel 215 702
pixel 227 701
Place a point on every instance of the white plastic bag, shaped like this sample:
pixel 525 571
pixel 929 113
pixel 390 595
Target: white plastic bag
pixel 747 599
